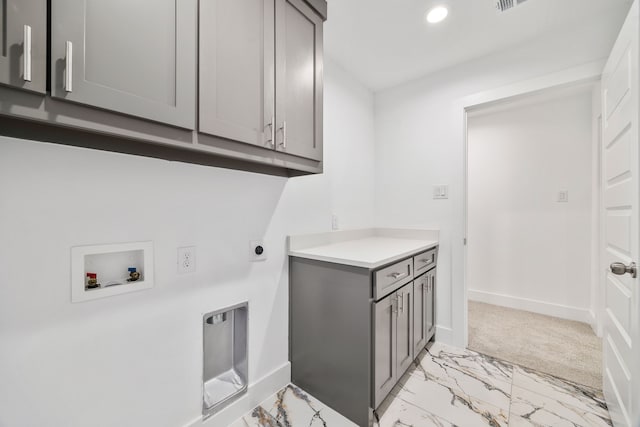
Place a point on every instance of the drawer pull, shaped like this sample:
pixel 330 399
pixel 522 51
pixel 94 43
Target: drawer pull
pixel 397 275
pixel 426 260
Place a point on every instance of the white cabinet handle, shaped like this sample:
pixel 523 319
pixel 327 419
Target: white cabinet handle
pixel 283 144
pixel 272 132
pixel 68 76
pixel 27 53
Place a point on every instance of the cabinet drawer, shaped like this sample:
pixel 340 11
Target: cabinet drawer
pixel 425 261
pixel 391 278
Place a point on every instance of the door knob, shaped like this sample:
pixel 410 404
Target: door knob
pixel 620 269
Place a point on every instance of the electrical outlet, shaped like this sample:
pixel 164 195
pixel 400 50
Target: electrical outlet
pixel 187 259
pixel 258 250
pixel 335 222
pixel 563 196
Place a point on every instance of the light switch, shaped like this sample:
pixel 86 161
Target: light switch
pixel 440 191
pixel 563 196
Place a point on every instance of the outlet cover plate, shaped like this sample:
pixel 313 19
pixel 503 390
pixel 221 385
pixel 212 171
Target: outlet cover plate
pixel 335 222
pixel 187 259
pixel 563 196
pixel 440 192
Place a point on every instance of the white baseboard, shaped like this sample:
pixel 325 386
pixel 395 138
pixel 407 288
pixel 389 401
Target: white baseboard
pixel 257 393
pixel 593 321
pixel 535 306
pixel 444 335
pixel 596 324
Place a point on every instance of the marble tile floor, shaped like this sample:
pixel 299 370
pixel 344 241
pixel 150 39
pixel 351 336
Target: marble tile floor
pixel 449 387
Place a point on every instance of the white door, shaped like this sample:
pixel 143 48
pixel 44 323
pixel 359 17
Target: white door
pixel 620 156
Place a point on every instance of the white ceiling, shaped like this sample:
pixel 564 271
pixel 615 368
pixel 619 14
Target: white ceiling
pixel 387 42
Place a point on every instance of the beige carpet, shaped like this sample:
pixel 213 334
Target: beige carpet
pixel 559 347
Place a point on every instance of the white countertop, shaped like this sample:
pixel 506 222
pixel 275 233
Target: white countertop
pixel 371 249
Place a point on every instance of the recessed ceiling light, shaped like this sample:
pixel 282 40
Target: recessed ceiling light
pixel 437 14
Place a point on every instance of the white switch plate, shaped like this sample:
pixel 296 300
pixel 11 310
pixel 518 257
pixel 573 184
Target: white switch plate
pixel 440 191
pixel 187 259
pixel 563 196
pixel 335 222
pixel 253 256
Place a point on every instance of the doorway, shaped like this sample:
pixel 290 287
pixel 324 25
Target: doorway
pixel 532 215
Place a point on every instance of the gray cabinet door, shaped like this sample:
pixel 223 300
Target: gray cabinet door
pixel 405 328
pixel 298 79
pixel 132 57
pixel 23 44
pixel 237 80
pixel 419 314
pixel 385 358
pixel 431 307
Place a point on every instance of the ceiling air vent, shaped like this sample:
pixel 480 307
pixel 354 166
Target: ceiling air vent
pixel 503 5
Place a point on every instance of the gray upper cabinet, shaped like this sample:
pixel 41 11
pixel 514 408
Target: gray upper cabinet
pixel 299 65
pixel 261 74
pixel 237 80
pixel 136 58
pixel 23 44
pixel 231 83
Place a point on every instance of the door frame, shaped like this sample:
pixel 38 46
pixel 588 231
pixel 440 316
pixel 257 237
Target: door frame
pixel 587 73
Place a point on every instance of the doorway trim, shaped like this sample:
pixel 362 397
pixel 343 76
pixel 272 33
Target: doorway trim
pixel 586 73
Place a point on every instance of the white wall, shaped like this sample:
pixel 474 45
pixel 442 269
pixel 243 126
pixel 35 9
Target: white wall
pixel 526 250
pixel 420 143
pixel 135 360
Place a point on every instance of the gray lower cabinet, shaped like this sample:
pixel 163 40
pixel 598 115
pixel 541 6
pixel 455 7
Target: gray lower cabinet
pixel 237 75
pixel 355 331
pixel 424 310
pixel 420 313
pixel 330 335
pixel 385 348
pixel 299 64
pixel 405 328
pixel 394 340
pixel 430 304
pixel 136 58
pixel 23 44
